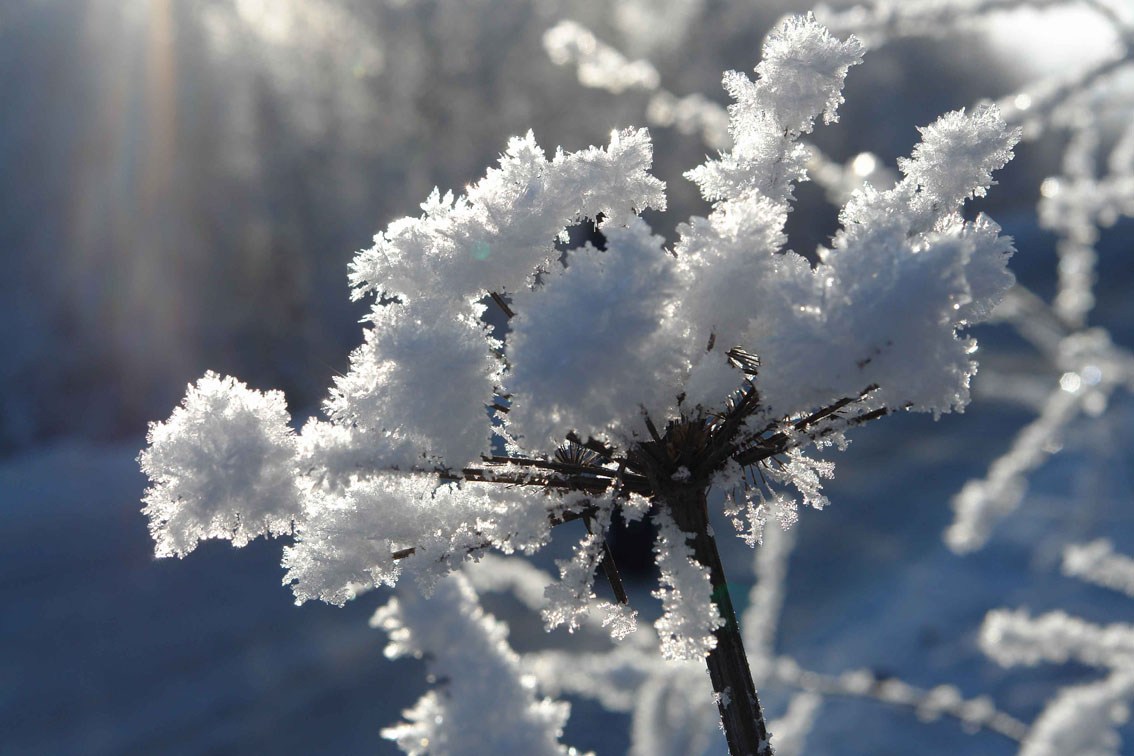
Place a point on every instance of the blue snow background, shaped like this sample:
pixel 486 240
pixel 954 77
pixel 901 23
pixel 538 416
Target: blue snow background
pixel 182 186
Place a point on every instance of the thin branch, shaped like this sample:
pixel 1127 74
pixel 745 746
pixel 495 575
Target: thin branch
pixel 545 464
pixel 499 300
pixel 888 690
pixel 724 447
pixel 555 519
pixel 584 483
pixel 781 442
pixel 610 570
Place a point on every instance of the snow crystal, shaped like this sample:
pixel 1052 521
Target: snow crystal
pixel 1014 637
pixel 571 598
pixel 1097 563
pixel 418 386
pixel 957 155
pixel 348 542
pixel 498 235
pixel 689 614
pixel 1083 719
pixel 221 466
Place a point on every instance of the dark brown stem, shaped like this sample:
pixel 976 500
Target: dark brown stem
pixel 741 715
pixel 499 300
pixel 556 465
pixel 588 483
pixel 609 568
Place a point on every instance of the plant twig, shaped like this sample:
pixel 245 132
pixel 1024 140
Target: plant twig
pixel 609 569
pixel 898 693
pixel 499 300
pixel 741 714
pixel 781 442
pixel 555 518
pixel 556 465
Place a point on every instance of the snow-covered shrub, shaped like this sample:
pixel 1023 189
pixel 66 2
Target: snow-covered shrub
pixel 632 378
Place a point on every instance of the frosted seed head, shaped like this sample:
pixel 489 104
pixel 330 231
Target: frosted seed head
pixel 221 466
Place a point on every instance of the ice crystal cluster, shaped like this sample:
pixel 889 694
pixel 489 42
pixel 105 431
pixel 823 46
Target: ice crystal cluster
pixel 445 439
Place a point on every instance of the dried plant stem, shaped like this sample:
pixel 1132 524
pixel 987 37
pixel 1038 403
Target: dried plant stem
pixel 741 715
pixel 500 301
pixel 650 468
pixel 609 568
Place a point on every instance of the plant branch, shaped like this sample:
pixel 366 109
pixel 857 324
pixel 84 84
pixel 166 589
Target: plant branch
pixel 741 715
pixel 555 518
pixel 499 300
pixel 781 442
pixel 556 465
pixel 609 569
pixel 897 693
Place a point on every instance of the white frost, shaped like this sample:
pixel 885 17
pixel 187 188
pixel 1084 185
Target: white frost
pixel 468 653
pixel 222 466
pixel 689 614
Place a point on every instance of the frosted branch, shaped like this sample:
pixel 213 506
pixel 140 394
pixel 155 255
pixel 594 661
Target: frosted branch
pixel 467 649
pixel 1015 637
pixel 1097 563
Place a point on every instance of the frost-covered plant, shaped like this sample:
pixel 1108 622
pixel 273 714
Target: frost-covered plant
pixel 1085 109
pixel 1088 110
pixel 631 378
pixel 1081 719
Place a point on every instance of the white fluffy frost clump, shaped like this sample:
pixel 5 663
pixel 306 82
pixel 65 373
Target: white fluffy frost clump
pixel 222 466
pixel 689 614
pixel 593 345
pixel 467 652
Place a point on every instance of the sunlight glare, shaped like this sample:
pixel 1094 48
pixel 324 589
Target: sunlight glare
pixel 275 21
pixel 1053 40
pixel 864 164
